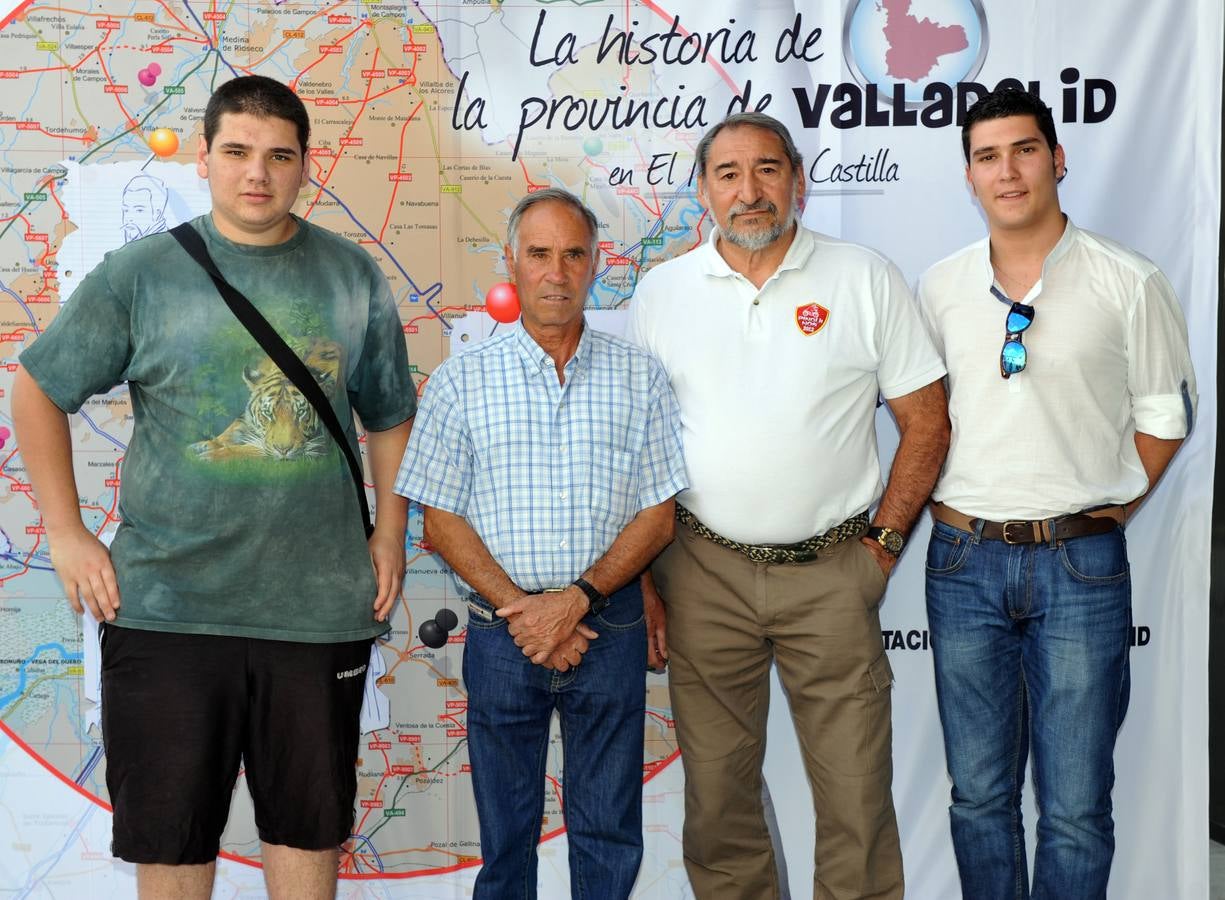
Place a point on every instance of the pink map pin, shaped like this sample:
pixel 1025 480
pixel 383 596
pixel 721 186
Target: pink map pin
pixel 148 75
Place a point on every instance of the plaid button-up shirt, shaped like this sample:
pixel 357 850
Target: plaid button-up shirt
pixel 546 474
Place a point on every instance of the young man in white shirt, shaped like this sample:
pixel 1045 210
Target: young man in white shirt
pixel 1070 389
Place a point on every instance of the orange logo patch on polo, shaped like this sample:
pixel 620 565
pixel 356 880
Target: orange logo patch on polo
pixel 811 318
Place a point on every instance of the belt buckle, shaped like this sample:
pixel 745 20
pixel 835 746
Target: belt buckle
pixel 1026 538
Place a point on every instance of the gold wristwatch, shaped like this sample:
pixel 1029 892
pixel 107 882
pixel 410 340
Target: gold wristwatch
pixel 890 541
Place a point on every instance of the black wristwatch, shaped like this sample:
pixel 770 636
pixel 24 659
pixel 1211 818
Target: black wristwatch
pixel 890 541
pixel 597 600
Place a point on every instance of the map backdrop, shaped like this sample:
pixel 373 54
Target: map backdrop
pixel 431 120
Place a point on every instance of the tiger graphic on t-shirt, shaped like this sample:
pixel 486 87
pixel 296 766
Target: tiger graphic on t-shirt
pixel 278 422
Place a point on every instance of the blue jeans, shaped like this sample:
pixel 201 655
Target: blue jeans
pixel 1031 651
pixel 602 706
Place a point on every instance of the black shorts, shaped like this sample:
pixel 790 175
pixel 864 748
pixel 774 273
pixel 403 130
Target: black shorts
pixel 181 712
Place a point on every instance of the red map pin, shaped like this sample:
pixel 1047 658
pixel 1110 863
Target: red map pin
pixel 502 302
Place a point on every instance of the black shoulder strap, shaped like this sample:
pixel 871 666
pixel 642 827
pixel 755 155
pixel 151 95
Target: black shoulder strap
pixel 280 353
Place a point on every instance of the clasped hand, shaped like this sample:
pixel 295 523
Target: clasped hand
pixel 548 627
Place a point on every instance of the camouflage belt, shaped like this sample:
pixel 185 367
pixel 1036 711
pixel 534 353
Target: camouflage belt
pixel 804 551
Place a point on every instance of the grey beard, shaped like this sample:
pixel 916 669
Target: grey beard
pixel 758 240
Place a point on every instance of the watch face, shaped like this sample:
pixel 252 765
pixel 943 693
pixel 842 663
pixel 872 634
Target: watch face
pixel 892 541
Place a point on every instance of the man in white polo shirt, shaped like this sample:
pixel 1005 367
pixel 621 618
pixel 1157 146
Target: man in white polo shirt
pixel 777 341
pixel 1070 389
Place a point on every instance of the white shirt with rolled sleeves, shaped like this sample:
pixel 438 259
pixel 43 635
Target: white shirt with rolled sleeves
pixel 1107 356
pixel 778 386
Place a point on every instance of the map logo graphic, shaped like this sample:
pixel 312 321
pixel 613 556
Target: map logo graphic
pixel 914 43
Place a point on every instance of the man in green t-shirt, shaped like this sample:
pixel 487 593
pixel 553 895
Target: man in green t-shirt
pixel 240 594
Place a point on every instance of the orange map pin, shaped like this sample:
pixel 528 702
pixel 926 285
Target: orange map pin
pixel 164 142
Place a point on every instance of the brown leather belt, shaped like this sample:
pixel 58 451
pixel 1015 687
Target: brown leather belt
pixel 1036 531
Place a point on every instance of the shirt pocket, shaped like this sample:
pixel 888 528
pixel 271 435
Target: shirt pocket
pixel 614 486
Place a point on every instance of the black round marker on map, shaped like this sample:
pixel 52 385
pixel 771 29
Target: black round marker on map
pixel 432 634
pixel 446 619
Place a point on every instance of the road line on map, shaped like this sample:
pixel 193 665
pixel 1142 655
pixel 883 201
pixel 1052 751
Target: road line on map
pixel 395 185
pixel 364 23
pixel 284 40
pixel 348 134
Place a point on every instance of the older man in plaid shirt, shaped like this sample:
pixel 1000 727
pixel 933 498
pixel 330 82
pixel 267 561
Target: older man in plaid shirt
pixel 547 459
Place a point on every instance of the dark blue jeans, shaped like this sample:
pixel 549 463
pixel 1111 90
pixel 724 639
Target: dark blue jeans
pixel 1031 652
pixel 601 704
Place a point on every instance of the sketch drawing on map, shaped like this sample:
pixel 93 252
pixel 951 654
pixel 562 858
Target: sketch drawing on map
pixel 144 207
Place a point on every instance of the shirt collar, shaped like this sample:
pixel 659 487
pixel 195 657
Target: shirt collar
pixel 802 247
pixel 1061 248
pixel 535 359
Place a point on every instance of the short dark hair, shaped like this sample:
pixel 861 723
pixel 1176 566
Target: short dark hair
pixel 757 120
pixel 1005 102
pixel 257 96
pixel 555 195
